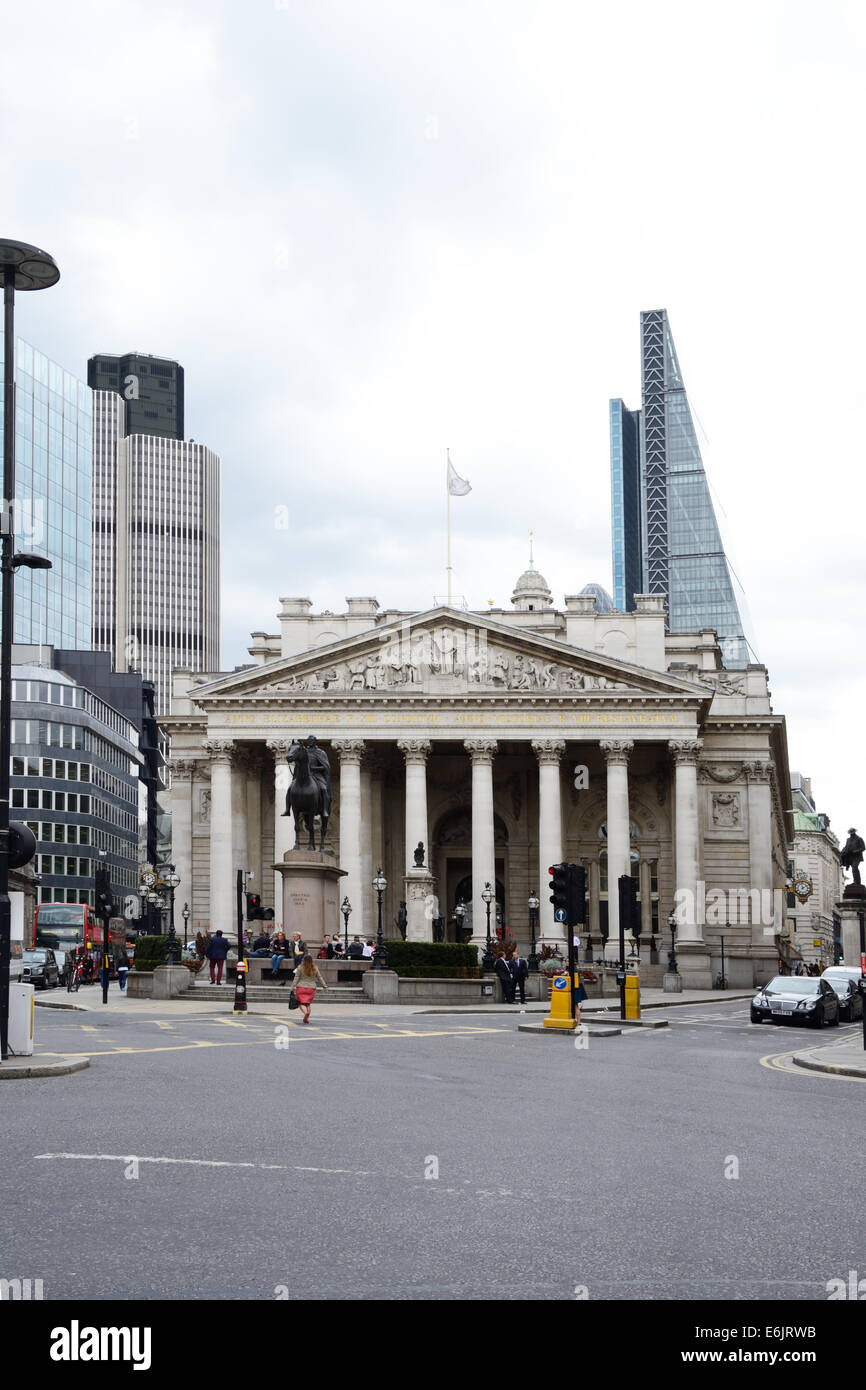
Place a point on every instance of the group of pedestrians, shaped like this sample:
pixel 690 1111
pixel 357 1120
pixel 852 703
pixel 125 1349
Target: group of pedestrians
pixel 512 971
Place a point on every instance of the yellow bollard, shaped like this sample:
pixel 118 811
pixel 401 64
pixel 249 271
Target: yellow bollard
pixel 632 996
pixel 560 1015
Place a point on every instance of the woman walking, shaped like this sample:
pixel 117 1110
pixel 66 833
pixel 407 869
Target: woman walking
pixel 307 980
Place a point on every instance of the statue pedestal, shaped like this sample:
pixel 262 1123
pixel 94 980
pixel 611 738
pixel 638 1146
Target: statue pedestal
pixel 852 909
pixel 311 893
pixel 419 891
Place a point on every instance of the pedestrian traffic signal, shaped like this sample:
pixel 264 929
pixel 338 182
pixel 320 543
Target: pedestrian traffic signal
pixel 576 894
pixel 254 908
pixel 559 886
pixel 629 909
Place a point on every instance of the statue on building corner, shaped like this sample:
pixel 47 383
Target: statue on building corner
pixel 852 854
pixel 419 855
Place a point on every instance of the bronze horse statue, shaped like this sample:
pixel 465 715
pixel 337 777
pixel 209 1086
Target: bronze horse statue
pixel 309 794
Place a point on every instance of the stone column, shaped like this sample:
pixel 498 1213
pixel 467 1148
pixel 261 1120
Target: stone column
pixel 351 751
pixel 368 868
pixel 686 845
pixel 617 752
pixel 240 765
pixel 284 826
pixel 182 770
pixel 222 881
pixel 418 882
pixel 482 752
pixel 254 824
pixel 548 752
pixel 760 804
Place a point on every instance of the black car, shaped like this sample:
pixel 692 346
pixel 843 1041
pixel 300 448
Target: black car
pixel 40 968
pixel 846 982
pixel 796 999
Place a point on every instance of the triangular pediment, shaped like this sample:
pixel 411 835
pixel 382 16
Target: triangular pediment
pixel 445 652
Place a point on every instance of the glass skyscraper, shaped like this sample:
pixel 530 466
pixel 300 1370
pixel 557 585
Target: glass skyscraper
pixel 665 535
pixel 52 504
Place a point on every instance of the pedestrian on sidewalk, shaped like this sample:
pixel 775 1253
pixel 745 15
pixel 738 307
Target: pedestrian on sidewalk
pixel 216 951
pixel 503 970
pixel 519 971
pixel 307 980
pixel 122 967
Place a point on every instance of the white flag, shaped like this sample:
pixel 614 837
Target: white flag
pixel 457 486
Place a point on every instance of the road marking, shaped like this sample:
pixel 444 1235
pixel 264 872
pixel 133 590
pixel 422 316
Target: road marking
pixel 304 1038
pixel 775 1062
pixel 159 1023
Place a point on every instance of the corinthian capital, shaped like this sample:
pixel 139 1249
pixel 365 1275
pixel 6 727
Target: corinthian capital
pixel 481 750
pixel 548 750
pixel 685 750
pixel 181 768
pixel 220 750
pixel 278 746
pixel 758 770
pixel 351 750
pixel 415 750
pixel 616 750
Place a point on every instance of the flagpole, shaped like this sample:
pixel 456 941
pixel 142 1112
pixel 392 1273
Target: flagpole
pixel 448 495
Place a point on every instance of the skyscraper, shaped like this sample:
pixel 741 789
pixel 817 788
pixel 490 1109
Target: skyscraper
pixel 152 389
pixel 51 508
pixel 666 538
pixel 156 551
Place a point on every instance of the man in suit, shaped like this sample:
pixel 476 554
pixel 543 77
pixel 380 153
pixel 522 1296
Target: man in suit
pixel 503 970
pixel 520 970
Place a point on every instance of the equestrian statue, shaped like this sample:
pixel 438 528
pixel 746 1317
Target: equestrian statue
pixel 309 794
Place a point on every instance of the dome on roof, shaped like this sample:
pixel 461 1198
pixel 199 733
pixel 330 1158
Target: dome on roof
pixel 531 591
pixel 603 601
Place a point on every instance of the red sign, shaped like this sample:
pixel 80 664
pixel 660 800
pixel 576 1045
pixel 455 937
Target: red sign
pixel 863 965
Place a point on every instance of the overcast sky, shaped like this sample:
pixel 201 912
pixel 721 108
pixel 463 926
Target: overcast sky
pixel 373 230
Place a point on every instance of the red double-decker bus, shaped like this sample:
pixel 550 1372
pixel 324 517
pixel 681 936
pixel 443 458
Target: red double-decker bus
pixel 67 926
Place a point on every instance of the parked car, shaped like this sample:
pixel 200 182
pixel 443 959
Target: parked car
pixel 40 968
pixel 846 982
pixel 796 999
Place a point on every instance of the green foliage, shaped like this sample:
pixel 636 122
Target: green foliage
pixel 445 960
pixel 150 952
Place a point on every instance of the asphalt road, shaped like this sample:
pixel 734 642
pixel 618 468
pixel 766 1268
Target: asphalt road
pixel 431 1157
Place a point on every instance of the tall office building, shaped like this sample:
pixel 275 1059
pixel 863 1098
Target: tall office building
pixel 51 507
pixel 152 389
pixel 666 538
pixel 156 549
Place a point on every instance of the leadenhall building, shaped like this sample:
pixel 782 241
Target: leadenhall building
pixel 501 742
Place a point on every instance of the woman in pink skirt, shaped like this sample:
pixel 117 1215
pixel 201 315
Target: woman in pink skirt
pixel 306 981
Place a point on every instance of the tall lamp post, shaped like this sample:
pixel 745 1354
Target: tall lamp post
pixel 185 916
pixel 534 905
pixel 380 883
pixel 23 267
pixel 487 899
pixel 723 982
pixel 346 909
pixel 672 958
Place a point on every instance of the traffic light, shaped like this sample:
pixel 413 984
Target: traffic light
pixel 254 908
pixel 629 910
pixel 576 895
pixel 559 886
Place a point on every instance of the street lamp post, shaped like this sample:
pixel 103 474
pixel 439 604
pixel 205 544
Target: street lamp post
pixel 380 883
pixel 23 267
pixel 487 898
pixel 346 909
pixel 170 882
pixel 672 958
pixel 534 905
pixel 723 984
pixel 185 916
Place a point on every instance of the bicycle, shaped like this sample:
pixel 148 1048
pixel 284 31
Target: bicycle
pixel 73 977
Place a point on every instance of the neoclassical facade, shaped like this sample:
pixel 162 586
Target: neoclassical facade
pixel 502 742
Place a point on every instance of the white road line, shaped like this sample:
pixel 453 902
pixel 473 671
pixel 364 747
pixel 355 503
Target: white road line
pixel 211 1163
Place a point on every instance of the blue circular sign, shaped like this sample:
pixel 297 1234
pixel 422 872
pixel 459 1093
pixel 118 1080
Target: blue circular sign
pixel 560 914
pixel 560 982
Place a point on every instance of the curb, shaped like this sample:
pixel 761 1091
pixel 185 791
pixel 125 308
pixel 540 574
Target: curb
pixel 802 1059
pixel 539 1029
pixel 31 1069
pixel 53 1004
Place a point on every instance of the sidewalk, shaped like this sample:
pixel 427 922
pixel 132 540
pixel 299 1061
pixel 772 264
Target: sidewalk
pixel 841 1059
